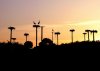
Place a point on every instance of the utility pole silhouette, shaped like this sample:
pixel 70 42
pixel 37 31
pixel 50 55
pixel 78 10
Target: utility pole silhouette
pixel 84 36
pixel 14 39
pixel 88 32
pixel 26 34
pixel 11 29
pixel 42 32
pixel 52 34
pixel 36 26
pixel 93 32
pixel 57 33
pixel 72 30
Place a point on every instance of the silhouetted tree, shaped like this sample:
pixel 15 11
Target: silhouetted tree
pixel 11 29
pixel 26 34
pixel 72 30
pixel 88 31
pixel 46 42
pixel 84 36
pixel 93 32
pixel 28 44
pixel 57 33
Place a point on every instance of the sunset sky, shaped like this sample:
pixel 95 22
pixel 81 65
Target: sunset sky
pixel 60 15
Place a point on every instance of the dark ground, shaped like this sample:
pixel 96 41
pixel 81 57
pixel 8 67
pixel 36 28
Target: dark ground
pixel 44 49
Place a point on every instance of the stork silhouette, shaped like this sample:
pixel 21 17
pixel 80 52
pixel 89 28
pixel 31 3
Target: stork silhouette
pixel 36 26
pixel 34 22
pixel 39 22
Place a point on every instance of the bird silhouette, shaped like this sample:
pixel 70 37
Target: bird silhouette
pixel 34 22
pixel 39 22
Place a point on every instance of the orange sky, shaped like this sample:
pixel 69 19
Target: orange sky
pixel 60 15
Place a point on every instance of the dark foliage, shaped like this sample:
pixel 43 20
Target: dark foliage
pixel 48 48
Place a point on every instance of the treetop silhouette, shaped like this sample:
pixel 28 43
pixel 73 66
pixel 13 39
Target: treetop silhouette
pixel 46 42
pixel 28 44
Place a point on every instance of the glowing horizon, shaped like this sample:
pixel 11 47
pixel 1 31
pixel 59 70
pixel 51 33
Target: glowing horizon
pixel 60 15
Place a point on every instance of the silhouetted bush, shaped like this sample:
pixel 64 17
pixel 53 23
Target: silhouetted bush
pixel 47 47
pixel 28 44
pixel 46 42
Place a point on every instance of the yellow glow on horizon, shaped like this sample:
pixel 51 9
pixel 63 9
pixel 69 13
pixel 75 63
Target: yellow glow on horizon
pixel 60 15
pixel 64 37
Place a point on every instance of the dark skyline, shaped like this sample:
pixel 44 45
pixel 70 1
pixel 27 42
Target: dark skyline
pixel 60 15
